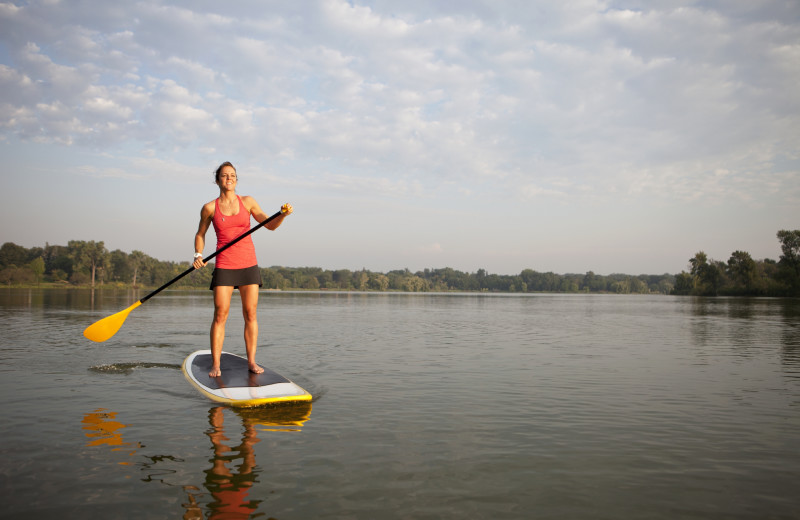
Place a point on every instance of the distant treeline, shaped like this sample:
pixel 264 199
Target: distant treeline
pixel 89 263
pixel 743 276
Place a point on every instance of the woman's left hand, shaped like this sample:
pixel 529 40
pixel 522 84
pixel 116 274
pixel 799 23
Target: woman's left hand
pixel 287 209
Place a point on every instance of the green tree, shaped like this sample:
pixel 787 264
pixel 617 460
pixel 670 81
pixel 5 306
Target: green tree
pixel 743 273
pixel 325 279
pixel 542 282
pixel 789 262
pixel 342 277
pixel 378 282
pixel 119 267
pixel 272 279
pixel 360 279
pixel 592 282
pixel 790 246
pixel 684 283
pixel 16 275
pixel 707 275
pixel 12 254
pixel 79 278
pixel 414 283
pixel 7 274
pixel 567 284
pixel 90 255
pixel 638 286
pixel 664 285
pixel 621 286
pixel 136 261
pixel 57 261
pixel 698 263
pixel 37 267
pixel 311 282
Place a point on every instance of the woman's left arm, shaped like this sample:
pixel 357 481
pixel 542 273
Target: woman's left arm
pixel 255 210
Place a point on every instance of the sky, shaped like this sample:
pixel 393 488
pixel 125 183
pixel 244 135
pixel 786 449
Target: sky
pixel 565 136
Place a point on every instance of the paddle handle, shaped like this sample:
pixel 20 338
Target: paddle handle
pixel 212 255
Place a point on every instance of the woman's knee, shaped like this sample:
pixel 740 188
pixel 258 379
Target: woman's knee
pixel 250 313
pixel 221 314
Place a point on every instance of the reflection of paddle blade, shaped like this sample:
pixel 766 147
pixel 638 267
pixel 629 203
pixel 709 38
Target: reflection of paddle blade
pixel 101 430
pixel 107 327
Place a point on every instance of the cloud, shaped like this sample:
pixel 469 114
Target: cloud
pixel 646 98
pixel 435 248
pixel 531 191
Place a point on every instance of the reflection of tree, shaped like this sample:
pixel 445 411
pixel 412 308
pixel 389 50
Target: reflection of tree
pixel 744 326
pixel 790 336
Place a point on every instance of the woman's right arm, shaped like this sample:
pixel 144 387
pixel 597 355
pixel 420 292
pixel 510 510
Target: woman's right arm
pixel 206 215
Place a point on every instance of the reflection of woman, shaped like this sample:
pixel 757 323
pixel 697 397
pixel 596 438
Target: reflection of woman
pixel 230 491
pixel 236 267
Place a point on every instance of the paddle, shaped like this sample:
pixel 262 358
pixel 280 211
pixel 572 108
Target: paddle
pixel 107 327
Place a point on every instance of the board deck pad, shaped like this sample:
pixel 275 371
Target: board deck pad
pixel 235 372
pixel 238 386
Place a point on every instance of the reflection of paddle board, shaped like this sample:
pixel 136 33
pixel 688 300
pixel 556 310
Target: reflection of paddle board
pixel 238 386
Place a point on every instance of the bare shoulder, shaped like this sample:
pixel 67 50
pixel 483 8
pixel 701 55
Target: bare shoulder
pixel 208 209
pixel 206 216
pixel 249 202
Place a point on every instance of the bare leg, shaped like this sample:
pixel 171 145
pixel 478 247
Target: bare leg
pixel 249 295
pixel 222 305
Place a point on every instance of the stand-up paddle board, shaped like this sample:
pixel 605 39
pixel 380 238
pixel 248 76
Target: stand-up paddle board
pixel 238 386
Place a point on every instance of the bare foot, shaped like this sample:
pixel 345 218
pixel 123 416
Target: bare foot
pixel 256 369
pixel 215 372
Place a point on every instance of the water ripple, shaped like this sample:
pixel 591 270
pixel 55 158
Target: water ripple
pixel 128 368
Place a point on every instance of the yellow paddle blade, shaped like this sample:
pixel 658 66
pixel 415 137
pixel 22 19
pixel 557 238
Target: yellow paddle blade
pixel 102 330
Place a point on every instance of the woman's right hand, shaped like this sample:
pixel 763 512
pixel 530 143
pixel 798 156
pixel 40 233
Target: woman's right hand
pixel 198 262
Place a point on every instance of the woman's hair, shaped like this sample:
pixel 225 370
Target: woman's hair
pixel 219 170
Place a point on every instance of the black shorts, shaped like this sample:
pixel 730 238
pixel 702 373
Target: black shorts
pixel 236 277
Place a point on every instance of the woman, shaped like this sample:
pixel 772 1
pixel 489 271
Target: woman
pixel 236 267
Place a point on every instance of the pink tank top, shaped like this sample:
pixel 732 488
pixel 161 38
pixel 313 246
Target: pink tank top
pixel 243 253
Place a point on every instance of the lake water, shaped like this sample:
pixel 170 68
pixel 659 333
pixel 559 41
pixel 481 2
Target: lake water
pixel 425 406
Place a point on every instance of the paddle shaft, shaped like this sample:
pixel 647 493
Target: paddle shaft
pixel 209 257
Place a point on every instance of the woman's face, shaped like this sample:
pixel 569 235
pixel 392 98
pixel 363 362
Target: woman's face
pixel 227 178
